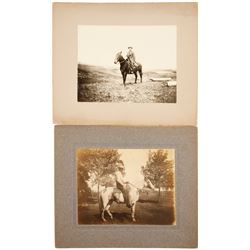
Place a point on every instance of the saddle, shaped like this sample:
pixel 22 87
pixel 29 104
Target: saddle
pixel 132 66
pixel 118 196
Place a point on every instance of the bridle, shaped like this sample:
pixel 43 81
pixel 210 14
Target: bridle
pixel 118 59
pixel 121 61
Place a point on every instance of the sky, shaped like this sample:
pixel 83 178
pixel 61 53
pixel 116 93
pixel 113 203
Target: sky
pixel 154 46
pixel 134 159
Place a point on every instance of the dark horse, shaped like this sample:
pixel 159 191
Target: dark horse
pixel 125 69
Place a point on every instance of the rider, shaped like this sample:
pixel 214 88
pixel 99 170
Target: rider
pixel 131 58
pixel 120 180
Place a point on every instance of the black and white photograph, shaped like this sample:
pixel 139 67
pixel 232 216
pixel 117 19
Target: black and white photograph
pixel 133 64
pixel 126 186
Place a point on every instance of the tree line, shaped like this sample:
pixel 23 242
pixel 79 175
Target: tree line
pixel 99 165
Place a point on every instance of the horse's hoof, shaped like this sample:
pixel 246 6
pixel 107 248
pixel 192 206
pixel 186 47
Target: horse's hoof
pixel 133 219
pixel 104 220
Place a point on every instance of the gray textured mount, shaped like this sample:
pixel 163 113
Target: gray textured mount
pixel 69 234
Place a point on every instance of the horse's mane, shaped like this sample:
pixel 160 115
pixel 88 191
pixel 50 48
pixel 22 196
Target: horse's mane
pixel 121 57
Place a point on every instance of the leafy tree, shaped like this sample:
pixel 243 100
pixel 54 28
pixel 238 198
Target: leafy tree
pixel 159 170
pixel 108 181
pixel 83 189
pixel 98 163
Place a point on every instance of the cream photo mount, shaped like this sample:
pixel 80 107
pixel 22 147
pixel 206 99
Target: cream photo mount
pixel 68 233
pixel 68 111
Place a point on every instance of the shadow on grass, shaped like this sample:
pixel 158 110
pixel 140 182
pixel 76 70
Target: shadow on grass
pixel 146 214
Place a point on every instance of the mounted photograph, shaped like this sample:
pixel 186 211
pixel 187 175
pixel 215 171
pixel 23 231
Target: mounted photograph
pixel 121 63
pixel 126 186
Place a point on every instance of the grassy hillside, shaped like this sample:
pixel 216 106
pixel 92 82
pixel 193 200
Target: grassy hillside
pixel 99 84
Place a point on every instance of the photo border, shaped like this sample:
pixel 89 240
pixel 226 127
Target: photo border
pixel 68 233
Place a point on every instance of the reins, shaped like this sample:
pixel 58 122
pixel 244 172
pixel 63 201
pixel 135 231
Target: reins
pixel 122 61
pixel 121 57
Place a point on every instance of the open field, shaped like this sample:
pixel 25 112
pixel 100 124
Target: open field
pixel 148 211
pixel 97 84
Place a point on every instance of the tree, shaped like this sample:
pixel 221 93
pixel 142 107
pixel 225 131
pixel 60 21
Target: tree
pixel 159 170
pixel 98 163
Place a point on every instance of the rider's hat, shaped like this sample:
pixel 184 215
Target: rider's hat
pixel 130 47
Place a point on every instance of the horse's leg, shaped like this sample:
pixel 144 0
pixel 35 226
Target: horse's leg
pixel 108 211
pixel 135 73
pixel 140 72
pixel 102 215
pixel 125 77
pixel 133 212
pixel 104 205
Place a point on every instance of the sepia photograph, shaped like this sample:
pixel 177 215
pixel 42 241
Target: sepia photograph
pixel 119 63
pixel 126 186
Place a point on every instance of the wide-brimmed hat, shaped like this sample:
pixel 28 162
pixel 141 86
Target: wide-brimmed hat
pixel 130 47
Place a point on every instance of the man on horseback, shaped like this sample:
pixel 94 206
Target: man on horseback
pixel 131 59
pixel 120 180
pixel 127 193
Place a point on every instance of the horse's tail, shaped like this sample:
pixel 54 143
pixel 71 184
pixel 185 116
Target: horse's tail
pixel 140 69
pixel 139 66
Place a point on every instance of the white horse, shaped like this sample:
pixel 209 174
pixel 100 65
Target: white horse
pixel 110 194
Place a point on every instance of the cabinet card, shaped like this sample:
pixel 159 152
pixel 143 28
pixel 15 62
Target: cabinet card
pixel 125 186
pixel 125 63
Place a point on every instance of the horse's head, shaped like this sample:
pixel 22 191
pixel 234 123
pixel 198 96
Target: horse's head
pixel 118 57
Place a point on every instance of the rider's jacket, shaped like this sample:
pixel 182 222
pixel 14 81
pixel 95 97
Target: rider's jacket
pixel 119 180
pixel 131 55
